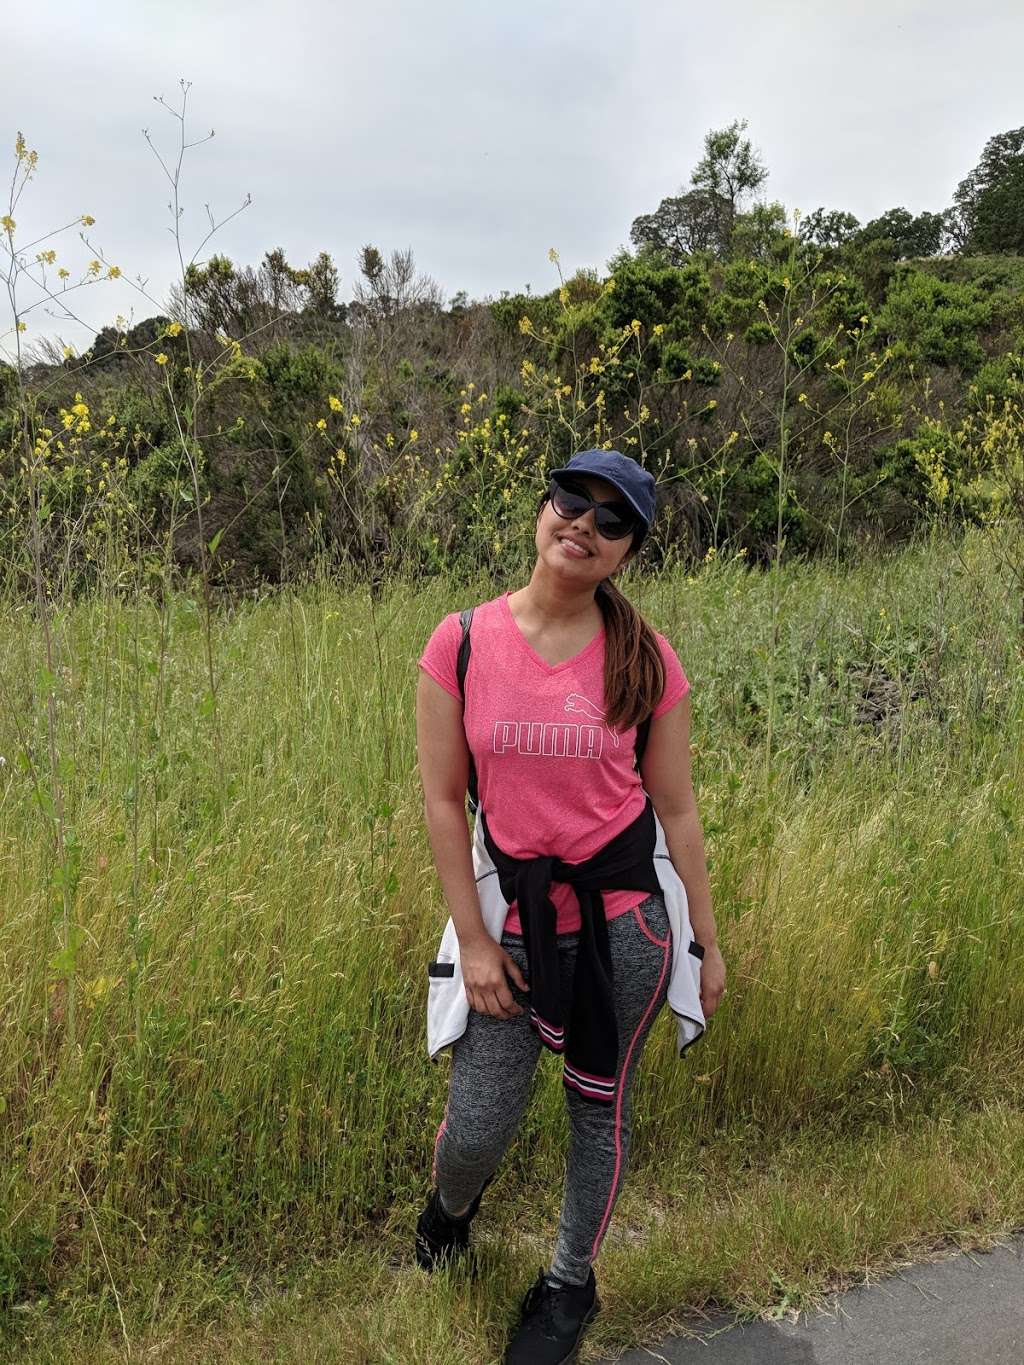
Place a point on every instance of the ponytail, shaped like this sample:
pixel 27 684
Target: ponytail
pixel 634 671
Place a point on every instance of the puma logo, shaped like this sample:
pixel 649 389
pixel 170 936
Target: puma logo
pixel 536 739
pixel 576 701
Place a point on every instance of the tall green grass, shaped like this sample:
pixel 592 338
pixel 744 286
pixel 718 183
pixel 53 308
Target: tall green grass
pixel 246 1087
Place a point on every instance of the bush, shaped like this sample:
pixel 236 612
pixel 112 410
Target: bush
pixel 938 321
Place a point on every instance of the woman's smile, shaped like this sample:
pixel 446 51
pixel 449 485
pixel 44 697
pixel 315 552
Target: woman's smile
pixel 573 549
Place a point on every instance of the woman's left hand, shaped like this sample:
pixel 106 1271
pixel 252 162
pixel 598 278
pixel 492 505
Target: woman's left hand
pixel 712 980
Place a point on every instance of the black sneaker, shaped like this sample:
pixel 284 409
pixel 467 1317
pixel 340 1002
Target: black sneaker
pixel 553 1320
pixel 440 1239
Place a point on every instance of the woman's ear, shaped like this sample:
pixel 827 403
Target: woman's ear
pixel 625 561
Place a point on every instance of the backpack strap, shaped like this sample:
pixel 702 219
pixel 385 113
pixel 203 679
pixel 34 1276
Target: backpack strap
pixel 461 664
pixel 642 731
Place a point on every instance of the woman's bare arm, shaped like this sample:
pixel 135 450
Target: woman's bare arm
pixel 444 771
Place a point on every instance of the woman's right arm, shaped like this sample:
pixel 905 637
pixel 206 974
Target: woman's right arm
pixel 444 771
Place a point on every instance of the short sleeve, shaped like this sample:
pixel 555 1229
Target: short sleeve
pixel 441 652
pixel 676 682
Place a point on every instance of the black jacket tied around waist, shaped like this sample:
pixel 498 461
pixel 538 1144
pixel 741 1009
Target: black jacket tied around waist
pixel 589 1040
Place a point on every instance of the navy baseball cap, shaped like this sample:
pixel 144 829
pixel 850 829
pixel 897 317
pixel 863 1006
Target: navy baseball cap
pixel 631 479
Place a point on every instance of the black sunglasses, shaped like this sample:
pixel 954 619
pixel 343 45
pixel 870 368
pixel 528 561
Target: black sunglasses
pixel 570 500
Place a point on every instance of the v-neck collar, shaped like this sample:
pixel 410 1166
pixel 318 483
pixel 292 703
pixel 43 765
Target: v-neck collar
pixel 532 653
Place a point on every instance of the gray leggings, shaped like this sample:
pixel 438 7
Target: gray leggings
pixel 492 1067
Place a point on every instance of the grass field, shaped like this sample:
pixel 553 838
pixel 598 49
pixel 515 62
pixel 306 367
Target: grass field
pixel 218 905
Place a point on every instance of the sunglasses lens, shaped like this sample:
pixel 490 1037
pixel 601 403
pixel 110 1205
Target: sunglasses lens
pixel 620 529
pixel 614 524
pixel 567 503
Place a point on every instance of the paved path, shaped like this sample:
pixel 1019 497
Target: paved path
pixel 969 1307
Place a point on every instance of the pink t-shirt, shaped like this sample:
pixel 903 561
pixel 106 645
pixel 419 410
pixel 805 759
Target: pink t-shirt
pixel 553 779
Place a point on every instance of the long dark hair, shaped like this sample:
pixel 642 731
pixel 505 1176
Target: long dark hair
pixel 634 672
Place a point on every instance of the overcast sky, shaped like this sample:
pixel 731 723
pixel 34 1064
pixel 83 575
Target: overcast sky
pixel 478 134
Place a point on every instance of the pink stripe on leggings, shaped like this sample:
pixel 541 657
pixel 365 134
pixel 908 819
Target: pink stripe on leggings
pixel 437 1141
pixel 618 1105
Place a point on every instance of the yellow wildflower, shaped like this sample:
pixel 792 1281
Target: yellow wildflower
pixel 802 398
pixel 63 273
pixel 634 326
pixel 335 402
pixel 160 359
pixel 113 272
pixel 524 324
pixel 355 419
pixel 552 255
pixel 22 326
pixel 172 329
pixel 88 219
pixel 712 402
pixel 321 424
pixel 7 223
pixel 414 435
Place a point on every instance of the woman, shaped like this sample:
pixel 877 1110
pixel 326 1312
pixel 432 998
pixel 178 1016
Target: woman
pixel 569 923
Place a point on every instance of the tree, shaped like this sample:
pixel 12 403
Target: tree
pixel 678 227
pixel 988 211
pixel 392 286
pixel 219 296
pixel 703 218
pixel 322 285
pixel 759 232
pixel 828 228
pixel 728 171
pixel 910 236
